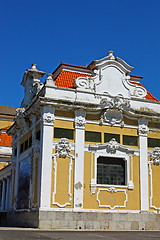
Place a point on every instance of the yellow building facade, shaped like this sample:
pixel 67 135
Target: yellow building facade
pixel 86 149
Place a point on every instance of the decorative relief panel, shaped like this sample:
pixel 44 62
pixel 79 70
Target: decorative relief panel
pixel 155 156
pixel 112 198
pixel 111 147
pixel 114 107
pixel 63 148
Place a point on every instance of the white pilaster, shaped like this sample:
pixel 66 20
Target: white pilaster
pixel 45 162
pixel 143 130
pixel 3 195
pixel 7 195
pixel 16 174
pixel 79 158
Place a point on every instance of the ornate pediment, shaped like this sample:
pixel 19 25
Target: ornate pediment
pixel 111 147
pixel 111 59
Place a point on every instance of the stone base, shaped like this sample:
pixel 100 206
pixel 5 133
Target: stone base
pixel 84 220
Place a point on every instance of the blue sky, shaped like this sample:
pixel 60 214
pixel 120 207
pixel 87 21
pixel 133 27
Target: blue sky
pixel 47 32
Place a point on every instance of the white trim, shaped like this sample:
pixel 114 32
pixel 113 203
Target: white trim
pixel 79 158
pixel 144 194
pixel 45 160
pixel 91 210
pixel 55 183
pixel 151 189
pixel 126 158
pixel 95 122
pixel 109 190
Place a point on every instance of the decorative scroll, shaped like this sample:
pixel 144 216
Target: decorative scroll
pixel 134 90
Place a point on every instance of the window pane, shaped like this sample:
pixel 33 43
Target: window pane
pixel 130 140
pixel 108 137
pixel 153 142
pixel 63 133
pixel 24 184
pixel 92 136
pixel 110 171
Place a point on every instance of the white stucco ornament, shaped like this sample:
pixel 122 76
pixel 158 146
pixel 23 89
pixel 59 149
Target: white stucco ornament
pixel 48 118
pixel 112 190
pixel 114 107
pixel 112 145
pixel 63 148
pixel 155 156
pixel 80 122
pixel 135 91
pixel 112 117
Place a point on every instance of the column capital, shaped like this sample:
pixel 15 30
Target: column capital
pixel 143 127
pixel 80 120
pixel 47 115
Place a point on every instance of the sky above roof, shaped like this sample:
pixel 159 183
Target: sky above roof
pixel 47 32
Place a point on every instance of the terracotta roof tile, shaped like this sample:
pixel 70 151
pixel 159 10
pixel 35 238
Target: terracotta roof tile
pixel 66 78
pixel 5 139
pixel 149 96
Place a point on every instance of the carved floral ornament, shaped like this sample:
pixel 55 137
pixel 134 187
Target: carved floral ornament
pixel 80 120
pixel 113 113
pixel 155 156
pixel 143 128
pixel 63 149
pixel 111 147
pixel 48 118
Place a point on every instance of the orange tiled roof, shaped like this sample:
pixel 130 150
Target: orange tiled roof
pixel 5 139
pixel 66 78
pixel 149 96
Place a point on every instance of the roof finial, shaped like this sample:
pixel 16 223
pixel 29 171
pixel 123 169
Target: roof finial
pixel 110 54
pixel 34 66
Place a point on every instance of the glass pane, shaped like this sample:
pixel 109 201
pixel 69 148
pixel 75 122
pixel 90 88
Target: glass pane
pixel 130 140
pixel 153 142
pixel 24 184
pixel 108 137
pixel 63 133
pixel 92 136
pixel 110 171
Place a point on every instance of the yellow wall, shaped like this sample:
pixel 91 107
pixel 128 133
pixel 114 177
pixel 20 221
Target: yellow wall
pixel 5 123
pixel 105 197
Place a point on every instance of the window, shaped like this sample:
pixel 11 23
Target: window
pixel 153 142
pixel 38 133
pixel 92 136
pixel 111 171
pixel 130 140
pixel 63 133
pixel 25 145
pixel 108 137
